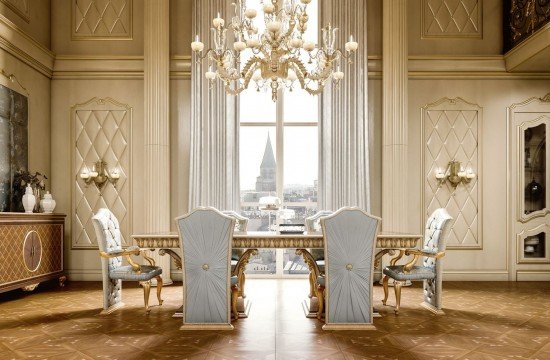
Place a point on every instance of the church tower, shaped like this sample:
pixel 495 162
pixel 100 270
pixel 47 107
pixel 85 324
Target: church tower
pixel 266 180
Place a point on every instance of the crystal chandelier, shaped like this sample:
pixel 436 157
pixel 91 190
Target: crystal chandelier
pixel 279 55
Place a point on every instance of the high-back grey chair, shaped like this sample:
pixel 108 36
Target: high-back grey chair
pixel 209 289
pixel 313 226
pixel 238 263
pixel 346 289
pixel 438 227
pixel 110 249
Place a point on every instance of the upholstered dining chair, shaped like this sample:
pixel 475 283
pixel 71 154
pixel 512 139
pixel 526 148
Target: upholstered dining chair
pixel 346 288
pixel 241 226
pixel 435 236
pixel 110 249
pixel 313 226
pixel 209 289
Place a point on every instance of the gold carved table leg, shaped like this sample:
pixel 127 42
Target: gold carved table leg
pixel 312 306
pixel 239 272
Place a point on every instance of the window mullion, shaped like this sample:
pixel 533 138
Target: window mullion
pixel 280 145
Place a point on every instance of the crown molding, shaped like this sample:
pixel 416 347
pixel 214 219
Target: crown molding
pixel 14 41
pixel 108 67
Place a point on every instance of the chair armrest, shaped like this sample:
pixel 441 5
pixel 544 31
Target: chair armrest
pixel 117 253
pixel 133 250
pixel 418 253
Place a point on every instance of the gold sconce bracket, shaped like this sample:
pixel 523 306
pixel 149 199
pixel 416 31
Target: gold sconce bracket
pixel 100 175
pixel 454 174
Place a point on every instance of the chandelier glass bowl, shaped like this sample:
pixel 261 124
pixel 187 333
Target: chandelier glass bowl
pixel 280 58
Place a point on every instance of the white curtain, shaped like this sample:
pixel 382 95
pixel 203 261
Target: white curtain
pixel 344 127
pixel 214 171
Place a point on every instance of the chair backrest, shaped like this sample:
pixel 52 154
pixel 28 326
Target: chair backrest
pixel 350 239
pixel 435 236
pixel 241 222
pixel 313 223
pixel 108 236
pixel 205 240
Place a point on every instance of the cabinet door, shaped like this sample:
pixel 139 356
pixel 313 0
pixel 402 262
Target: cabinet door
pixel 532 166
pixel 32 251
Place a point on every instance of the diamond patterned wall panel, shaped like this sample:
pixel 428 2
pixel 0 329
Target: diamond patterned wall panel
pixel 12 264
pixel 101 131
pixel 101 19
pixel 20 7
pixel 451 18
pixel 451 132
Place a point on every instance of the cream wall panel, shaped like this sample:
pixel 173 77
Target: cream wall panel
pixel 180 142
pixel 31 16
pixel 38 87
pixel 451 131
pixel 101 19
pixel 452 18
pixel 180 26
pixel 487 43
pixel 85 264
pixel 101 131
pixel 493 96
pixel 65 41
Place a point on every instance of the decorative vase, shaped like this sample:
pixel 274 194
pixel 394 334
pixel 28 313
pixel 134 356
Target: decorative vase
pixel 29 200
pixel 47 204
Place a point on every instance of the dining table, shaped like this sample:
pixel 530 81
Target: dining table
pixel 168 243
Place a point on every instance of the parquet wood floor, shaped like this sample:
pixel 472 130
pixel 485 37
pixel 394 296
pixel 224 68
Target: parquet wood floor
pixel 483 321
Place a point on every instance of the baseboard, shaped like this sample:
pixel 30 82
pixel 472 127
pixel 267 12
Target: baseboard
pixel 84 275
pixel 532 275
pixel 477 275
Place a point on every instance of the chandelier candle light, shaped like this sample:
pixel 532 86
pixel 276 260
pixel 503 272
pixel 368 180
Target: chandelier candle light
pixel 277 55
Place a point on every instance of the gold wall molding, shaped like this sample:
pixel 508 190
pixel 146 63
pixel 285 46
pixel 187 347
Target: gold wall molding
pixel 16 42
pixel 452 18
pixel 101 20
pixel 20 7
pixel 101 128
pixel 452 130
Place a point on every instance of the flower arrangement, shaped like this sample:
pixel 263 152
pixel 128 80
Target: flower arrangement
pixel 36 180
pixel 21 179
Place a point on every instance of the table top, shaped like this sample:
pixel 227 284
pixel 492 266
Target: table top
pixel 273 234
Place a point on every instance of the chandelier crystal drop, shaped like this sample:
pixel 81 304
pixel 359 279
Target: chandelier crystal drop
pixel 280 56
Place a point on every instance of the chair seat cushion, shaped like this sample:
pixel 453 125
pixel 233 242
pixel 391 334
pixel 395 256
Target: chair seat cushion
pixel 417 273
pixel 234 280
pixel 127 273
pixel 321 280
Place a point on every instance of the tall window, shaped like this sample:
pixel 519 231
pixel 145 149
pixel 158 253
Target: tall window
pixel 279 157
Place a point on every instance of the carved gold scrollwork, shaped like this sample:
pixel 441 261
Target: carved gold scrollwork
pixel 526 17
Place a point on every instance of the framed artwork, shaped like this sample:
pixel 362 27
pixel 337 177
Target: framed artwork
pixel 14 126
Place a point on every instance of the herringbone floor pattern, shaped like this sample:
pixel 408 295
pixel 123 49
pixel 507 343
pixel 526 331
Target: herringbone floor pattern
pixel 482 321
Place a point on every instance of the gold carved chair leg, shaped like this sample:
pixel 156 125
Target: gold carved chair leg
pixel 320 293
pixel 311 284
pixel 146 290
pixel 386 290
pixel 234 298
pixel 159 289
pixel 397 288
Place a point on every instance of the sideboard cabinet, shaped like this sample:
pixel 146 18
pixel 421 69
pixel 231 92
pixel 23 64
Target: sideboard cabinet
pixel 31 249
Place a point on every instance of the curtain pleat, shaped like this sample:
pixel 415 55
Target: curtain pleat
pixel 344 127
pixel 214 169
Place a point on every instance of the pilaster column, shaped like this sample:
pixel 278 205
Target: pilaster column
pixel 157 123
pixel 395 107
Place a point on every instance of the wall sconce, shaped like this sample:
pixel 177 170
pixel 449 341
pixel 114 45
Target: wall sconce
pixel 455 174
pixel 99 175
